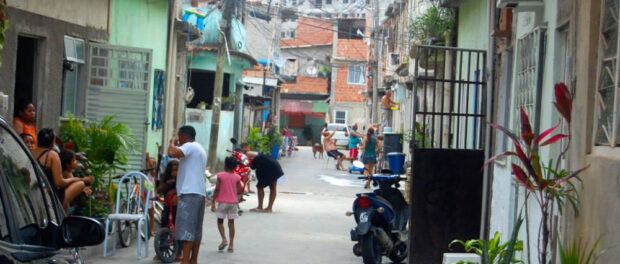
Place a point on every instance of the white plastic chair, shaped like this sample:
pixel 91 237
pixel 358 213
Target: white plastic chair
pixel 141 218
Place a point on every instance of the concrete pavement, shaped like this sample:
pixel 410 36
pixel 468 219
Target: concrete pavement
pixel 308 224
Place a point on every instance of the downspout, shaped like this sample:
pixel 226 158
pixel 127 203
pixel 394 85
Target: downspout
pixel 170 76
pixel 488 144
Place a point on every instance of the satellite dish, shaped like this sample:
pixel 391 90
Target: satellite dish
pixel 312 70
pixel 189 94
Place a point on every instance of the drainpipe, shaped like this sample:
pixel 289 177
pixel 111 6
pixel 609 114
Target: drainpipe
pixel 488 141
pixel 169 93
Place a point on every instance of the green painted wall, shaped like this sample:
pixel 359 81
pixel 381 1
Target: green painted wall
pixel 473 24
pixel 142 24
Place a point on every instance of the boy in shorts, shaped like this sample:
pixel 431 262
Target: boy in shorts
pixel 227 189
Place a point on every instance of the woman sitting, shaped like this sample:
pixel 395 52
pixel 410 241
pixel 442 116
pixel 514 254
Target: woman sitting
pixel 66 187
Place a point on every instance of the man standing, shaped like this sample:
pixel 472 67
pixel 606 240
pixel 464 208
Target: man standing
pixel 386 105
pixel 332 151
pixel 191 189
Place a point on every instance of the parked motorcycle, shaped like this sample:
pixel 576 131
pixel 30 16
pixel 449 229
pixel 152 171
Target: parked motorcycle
pixel 381 218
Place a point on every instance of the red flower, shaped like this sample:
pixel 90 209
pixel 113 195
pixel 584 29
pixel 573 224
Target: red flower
pixel 563 101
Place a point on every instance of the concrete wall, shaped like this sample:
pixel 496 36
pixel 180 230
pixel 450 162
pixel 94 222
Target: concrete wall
pixel 258 36
pixel 600 194
pixel 91 13
pixel 355 113
pixel 49 33
pixel 306 56
pixel 201 121
pixel 473 21
pixel 143 24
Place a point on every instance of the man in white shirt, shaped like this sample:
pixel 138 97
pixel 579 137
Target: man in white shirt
pixel 191 189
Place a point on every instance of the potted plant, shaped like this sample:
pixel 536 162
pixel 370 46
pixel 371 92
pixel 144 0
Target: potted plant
pixel 105 145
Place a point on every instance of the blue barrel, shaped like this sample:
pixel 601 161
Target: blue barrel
pixel 397 162
pixel 274 152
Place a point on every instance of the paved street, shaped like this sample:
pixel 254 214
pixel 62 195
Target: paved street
pixel 308 226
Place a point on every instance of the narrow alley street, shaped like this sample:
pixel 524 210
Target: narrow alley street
pixel 308 224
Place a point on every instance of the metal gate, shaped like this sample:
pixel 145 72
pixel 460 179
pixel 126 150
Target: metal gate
pixel 447 149
pixel 118 84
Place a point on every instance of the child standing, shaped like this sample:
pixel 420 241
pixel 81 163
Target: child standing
pixel 227 189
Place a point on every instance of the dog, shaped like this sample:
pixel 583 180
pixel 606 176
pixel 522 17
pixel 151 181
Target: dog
pixel 317 148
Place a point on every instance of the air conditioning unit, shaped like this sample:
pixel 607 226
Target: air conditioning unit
pixel 519 3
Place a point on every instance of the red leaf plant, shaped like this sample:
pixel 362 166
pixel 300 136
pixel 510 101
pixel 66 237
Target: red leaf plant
pixel 547 183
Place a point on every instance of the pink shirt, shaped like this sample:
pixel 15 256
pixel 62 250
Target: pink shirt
pixel 227 192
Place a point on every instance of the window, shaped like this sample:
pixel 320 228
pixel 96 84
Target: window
pixel 345 1
pixel 294 2
pixel 291 67
pixel 356 74
pixel 73 67
pixel 340 117
pixel 607 102
pixel 292 34
pixel 29 196
pixel 120 68
pixel 351 28
pixel 344 16
pixel 283 35
pixel 318 3
pixel 528 62
pixel 328 2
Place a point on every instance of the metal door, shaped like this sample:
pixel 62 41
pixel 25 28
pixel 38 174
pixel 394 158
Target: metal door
pixel 118 84
pixel 447 148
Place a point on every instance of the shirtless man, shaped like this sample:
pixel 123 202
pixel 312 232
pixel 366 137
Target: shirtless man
pixel 386 106
pixel 332 151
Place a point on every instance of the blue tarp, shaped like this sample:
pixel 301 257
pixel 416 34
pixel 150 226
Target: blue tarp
pixel 208 21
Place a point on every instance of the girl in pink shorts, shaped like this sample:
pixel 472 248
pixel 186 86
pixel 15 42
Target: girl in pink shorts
pixel 227 189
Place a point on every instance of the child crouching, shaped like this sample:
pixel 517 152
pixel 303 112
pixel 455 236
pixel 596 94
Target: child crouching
pixel 227 189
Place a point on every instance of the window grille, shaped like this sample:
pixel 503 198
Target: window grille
pixel 528 82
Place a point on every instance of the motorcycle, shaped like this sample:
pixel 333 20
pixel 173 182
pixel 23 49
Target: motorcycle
pixel 381 218
pixel 243 163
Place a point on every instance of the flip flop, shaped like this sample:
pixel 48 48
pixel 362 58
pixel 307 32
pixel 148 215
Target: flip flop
pixel 231 250
pixel 256 210
pixel 222 246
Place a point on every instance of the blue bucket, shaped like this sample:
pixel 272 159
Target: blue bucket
pixel 274 152
pixel 397 162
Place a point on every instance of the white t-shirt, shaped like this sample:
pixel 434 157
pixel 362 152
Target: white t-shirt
pixel 191 178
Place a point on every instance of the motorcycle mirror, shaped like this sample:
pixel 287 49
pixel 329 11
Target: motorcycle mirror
pixel 233 140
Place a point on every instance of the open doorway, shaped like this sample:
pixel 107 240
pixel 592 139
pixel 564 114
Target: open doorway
pixel 202 83
pixel 25 70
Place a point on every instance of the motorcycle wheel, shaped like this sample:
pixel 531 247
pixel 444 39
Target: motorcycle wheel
pixel 357 249
pixel 399 252
pixel 165 246
pixel 370 251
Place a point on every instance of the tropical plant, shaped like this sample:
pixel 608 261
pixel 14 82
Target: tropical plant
pixel 577 252
pixel 547 183
pixel 4 24
pixel 492 251
pixel 105 145
pixel 434 26
pixel 254 137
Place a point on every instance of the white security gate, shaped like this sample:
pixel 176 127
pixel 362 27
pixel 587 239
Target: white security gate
pixel 118 84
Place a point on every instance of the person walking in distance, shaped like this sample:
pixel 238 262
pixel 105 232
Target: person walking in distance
pixel 268 171
pixel 191 190
pixel 370 147
pixel 227 189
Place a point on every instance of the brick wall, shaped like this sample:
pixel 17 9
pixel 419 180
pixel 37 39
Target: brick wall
pixel 305 84
pixel 344 91
pixel 310 31
pixel 352 49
